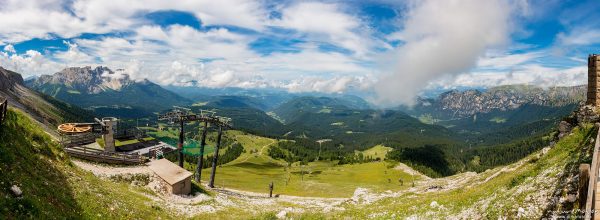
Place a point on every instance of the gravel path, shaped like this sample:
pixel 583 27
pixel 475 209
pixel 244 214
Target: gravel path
pixel 106 171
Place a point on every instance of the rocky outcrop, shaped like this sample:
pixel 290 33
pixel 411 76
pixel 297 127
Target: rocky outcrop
pixel 586 114
pixel 9 79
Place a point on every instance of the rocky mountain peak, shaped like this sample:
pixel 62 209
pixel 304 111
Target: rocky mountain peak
pixel 87 79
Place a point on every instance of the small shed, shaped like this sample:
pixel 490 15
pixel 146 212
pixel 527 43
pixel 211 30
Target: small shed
pixel 177 179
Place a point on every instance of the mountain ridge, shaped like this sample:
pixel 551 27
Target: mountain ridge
pixel 459 104
pixel 292 109
pixel 102 88
pixel 41 107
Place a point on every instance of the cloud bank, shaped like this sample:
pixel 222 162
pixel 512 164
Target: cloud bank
pixel 439 38
pixel 389 49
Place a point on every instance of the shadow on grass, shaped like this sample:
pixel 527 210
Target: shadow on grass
pixel 267 165
pixel 197 188
pixel 312 173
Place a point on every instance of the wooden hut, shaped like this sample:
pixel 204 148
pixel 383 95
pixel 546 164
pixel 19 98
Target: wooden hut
pixel 177 179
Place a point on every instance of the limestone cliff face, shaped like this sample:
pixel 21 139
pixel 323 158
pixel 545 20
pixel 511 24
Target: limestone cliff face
pixel 85 79
pixel 470 102
pixel 100 87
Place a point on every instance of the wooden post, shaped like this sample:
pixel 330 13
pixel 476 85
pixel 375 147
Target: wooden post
pixel 201 157
pixel 271 189
pixel 584 177
pixel 180 144
pixel 216 157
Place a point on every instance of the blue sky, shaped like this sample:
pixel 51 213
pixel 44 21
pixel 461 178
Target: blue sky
pixel 393 49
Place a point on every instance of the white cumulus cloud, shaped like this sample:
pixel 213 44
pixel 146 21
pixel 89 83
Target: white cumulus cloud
pixel 29 63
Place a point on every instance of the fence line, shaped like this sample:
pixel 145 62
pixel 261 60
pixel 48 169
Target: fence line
pixel 590 206
pixel 103 156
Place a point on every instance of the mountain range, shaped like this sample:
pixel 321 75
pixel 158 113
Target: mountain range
pixel 106 92
pixel 478 116
pixel 497 114
pixel 459 104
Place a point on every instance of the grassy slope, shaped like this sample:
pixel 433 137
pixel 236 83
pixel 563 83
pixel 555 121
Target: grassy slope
pixel 321 179
pixel 501 195
pixel 52 187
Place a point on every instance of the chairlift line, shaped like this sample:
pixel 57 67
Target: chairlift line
pixel 206 116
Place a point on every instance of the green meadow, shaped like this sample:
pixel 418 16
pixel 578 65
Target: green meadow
pixel 378 151
pixel 254 170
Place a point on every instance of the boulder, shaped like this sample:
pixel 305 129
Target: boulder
pixel 434 204
pixel 571 197
pixel 564 127
pixel 359 195
pixel 545 150
pixel 282 214
pixel 16 191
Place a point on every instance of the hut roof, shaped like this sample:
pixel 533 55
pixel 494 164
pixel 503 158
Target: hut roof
pixel 168 171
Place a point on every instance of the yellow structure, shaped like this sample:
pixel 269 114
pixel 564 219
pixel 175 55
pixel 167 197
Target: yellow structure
pixel 593 92
pixel 74 128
